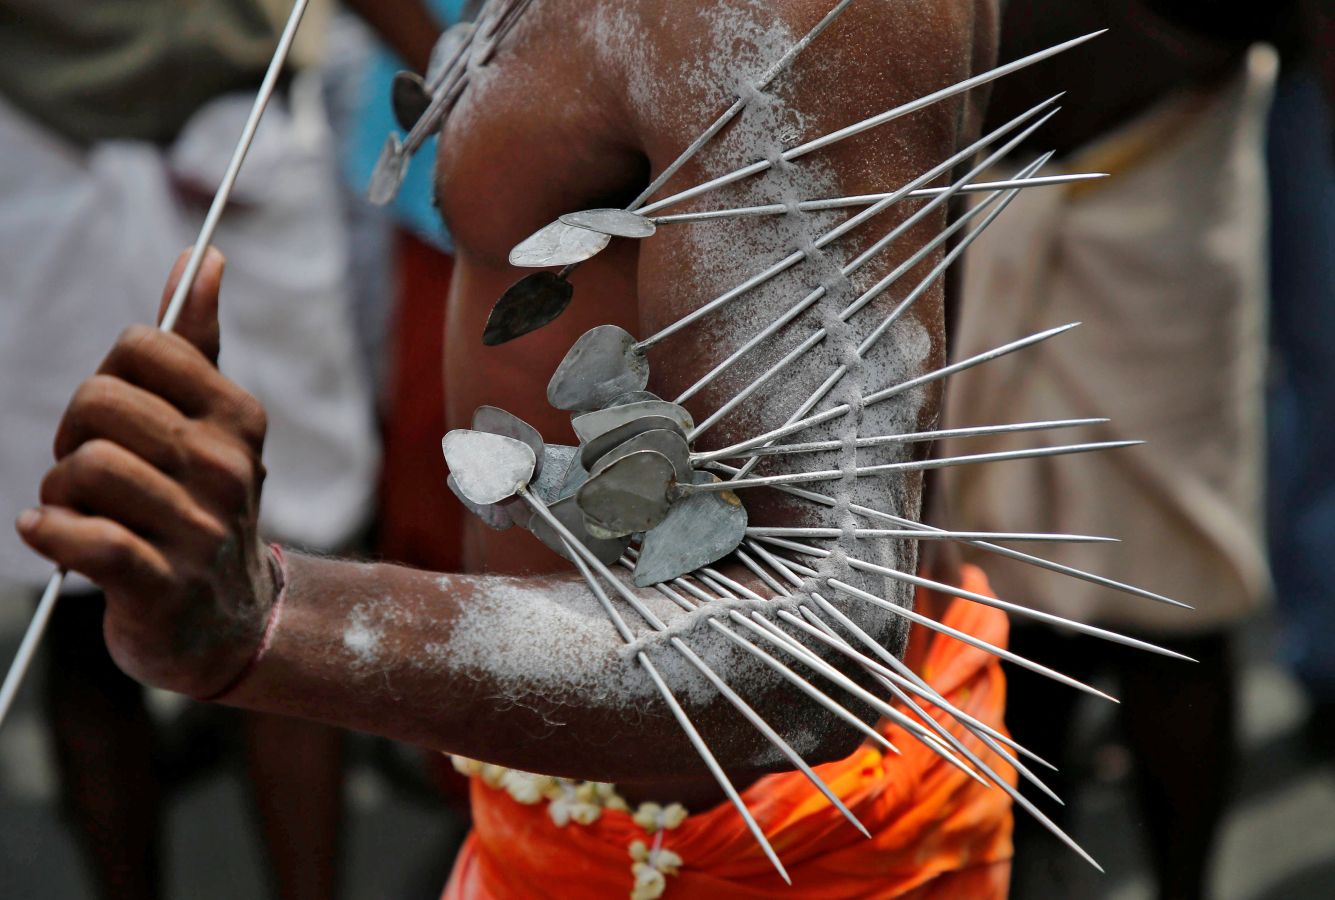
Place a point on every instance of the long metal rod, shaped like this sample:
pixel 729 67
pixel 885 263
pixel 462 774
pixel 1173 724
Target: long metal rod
pixel 868 123
pixel 848 270
pixel 923 689
pixel 910 437
pixel 583 560
pixel 739 104
pixel 844 228
pixel 916 465
pixel 776 209
pixel 866 297
pixel 915 534
pixel 843 409
pixel 1016 609
pixel 1037 561
pixel 32 638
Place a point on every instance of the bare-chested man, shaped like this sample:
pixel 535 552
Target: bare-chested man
pixel 159 472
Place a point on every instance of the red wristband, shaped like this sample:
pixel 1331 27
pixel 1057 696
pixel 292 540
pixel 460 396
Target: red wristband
pixel 279 563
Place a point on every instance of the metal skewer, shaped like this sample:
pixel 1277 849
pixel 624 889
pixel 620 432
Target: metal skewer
pixel 915 534
pixel 37 627
pixel 537 299
pixel 994 602
pixel 1037 561
pixel 882 440
pixel 870 212
pixel 775 209
pixel 842 409
pixel 819 292
pixel 872 122
pixel 964 637
pixel 910 680
pixel 847 313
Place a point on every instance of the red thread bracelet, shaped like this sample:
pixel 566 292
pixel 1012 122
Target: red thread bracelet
pixel 279 565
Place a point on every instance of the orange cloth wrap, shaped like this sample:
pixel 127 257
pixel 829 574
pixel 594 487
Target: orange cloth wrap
pixel 935 832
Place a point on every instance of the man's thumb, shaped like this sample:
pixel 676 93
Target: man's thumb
pixel 198 321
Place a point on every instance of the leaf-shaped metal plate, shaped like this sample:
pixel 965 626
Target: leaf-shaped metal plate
pixel 698 530
pixel 602 365
pixel 558 244
pixel 530 303
pixel 487 468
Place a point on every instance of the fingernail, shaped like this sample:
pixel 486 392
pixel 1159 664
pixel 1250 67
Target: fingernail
pixel 28 519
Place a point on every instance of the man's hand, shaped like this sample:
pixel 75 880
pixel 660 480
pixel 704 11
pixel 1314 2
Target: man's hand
pixel 154 496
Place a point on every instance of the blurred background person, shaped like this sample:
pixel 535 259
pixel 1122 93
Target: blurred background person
pixel 1302 397
pixel 116 122
pixel 1165 264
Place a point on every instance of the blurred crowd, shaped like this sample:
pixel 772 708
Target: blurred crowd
pixel 1203 270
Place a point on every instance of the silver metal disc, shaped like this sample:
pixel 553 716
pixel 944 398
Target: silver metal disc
pixel 558 244
pixel 608 441
pixel 698 530
pixel 591 424
pixel 602 365
pixel 630 495
pixel 661 440
pixel 614 222
pixel 568 513
pixel 487 468
pixel 494 420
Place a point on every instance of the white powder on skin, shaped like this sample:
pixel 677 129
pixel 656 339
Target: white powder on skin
pixel 527 640
pixel 743 38
pixel 551 640
pixel 361 637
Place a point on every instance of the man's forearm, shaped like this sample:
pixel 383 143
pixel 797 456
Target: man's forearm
pixel 525 672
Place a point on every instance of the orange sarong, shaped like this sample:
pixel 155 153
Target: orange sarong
pixel 935 832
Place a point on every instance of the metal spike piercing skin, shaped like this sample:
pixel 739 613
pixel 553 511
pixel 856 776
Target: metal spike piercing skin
pixel 606 359
pixel 842 409
pixel 1018 798
pixel 994 602
pixel 32 637
pixel 639 490
pixel 1037 561
pixel 842 369
pixel 811 624
pixel 797 651
pixel 904 677
pixel 775 209
pixel 933 625
pixel 475 49
pixel 605 355
pixel 728 693
pixel 819 292
pixel 881 440
pixel 731 590
pixel 867 214
pixel 810 690
pixel 848 131
pixel 922 689
pixel 489 468
pixel 918 535
pixel 537 299
pixel 709 576
pixel 911 681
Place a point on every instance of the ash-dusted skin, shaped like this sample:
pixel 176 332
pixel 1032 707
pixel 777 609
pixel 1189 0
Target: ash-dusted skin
pixel 515 663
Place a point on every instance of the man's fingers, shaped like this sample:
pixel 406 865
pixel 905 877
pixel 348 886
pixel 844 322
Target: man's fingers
pixel 198 319
pixel 107 553
pixel 172 368
pixel 105 406
pixel 103 479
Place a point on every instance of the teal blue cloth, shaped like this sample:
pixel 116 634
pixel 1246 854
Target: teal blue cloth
pixel 372 123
